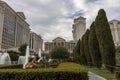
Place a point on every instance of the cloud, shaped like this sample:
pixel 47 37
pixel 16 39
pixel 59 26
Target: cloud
pixel 53 18
pixel 75 14
pixel 91 8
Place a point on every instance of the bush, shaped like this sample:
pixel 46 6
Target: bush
pixel 12 66
pixel 118 75
pixel 22 49
pixel 60 53
pixel 13 55
pixel 65 71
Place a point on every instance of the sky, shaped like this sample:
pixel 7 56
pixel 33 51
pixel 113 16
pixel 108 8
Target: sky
pixel 54 18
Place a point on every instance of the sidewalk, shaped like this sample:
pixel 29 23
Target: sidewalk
pixel 93 76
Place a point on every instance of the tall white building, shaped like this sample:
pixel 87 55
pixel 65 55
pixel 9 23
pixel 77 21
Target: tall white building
pixel 115 30
pixel 36 42
pixel 14 30
pixel 79 28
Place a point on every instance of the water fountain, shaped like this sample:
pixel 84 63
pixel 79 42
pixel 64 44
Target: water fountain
pixel 21 60
pixel 4 58
pixel 26 56
pixel 40 55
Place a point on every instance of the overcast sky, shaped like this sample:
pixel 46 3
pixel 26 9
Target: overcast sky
pixel 53 18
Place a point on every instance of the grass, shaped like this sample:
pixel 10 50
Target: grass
pixel 103 72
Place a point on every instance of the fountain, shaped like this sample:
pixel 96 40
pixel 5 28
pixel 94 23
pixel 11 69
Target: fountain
pixel 49 60
pixel 26 56
pixel 24 59
pixel 21 60
pixel 5 58
pixel 40 56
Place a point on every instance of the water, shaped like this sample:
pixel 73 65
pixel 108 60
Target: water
pixel 5 58
pixel 40 55
pixel 21 60
pixel 26 56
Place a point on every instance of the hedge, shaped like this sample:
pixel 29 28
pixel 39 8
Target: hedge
pixel 65 71
pixel 118 75
pixel 11 66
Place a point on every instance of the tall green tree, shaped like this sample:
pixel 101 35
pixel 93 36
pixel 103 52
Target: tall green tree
pixel 82 56
pixel 22 49
pixel 117 54
pixel 13 55
pixel 77 52
pixel 105 40
pixel 94 48
pixel 60 53
pixel 86 48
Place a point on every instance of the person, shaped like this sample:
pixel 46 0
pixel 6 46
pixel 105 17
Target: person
pixel 31 63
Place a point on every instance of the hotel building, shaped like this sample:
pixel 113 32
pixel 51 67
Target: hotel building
pixel 36 42
pixel 115 30
pixel 79 28
pixel 14 30
pixel 59 42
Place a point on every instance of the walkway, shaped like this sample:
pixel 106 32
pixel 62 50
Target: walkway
pixel 93 76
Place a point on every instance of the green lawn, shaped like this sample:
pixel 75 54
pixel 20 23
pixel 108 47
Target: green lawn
pixel 102 72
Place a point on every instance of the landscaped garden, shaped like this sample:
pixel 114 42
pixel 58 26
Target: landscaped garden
pixel 95 50
pixel 64 71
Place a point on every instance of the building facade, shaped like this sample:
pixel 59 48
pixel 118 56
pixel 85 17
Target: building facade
pixel 115 30
pixel 59 42
pixel 14 30
pixel 22 30
pixel 79 28
pixel 36 42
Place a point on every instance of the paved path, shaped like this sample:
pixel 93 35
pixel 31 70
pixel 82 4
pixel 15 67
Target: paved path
pixel 93 76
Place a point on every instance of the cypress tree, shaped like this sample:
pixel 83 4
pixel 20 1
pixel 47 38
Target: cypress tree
pixel 105 40
pixel 86 48
pixel 77 52
pixel 82 56
pixel 94 48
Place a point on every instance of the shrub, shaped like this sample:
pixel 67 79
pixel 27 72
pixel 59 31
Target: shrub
pixel 65 71
pixel 118 75
pixel 60 53
pixel 13 55
pixel 22 49
pixel 12 66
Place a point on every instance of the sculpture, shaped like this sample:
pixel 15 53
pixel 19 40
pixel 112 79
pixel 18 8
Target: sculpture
pixel 31 63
